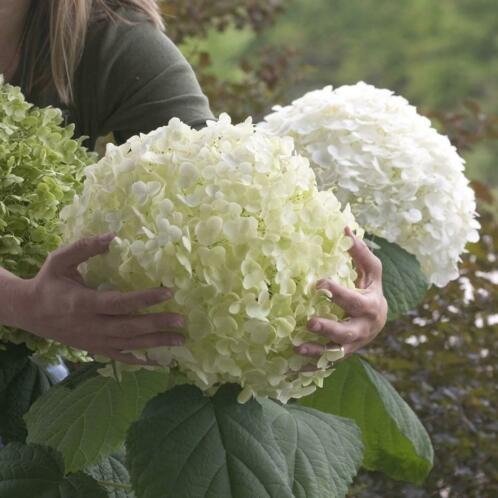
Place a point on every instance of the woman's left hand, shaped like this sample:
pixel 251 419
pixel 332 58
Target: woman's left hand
pixel 366 309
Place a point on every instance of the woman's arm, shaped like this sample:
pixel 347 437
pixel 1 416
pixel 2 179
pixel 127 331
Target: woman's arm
pixel 12 298
pixel 57 305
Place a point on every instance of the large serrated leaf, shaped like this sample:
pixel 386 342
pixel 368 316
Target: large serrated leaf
pixel 111 473
pixel 395 440
pixel 186 445
pixel 323 451
pixel 34 471
pixel 21 382
pixel 88 420
pixel 403 282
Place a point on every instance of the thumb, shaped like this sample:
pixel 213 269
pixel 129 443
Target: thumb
pixel 70 256
pixel 369 265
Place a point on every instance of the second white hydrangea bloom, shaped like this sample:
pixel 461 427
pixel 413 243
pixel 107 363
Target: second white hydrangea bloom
pixel 404 181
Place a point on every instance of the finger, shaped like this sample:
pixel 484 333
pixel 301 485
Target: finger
pixel 361 281
pixel 148 341
pixel 70 256
pixel 75 275
pixel 312 349
pixel 364 258
pixel 137 325
pixel 350 300
pixel 128 358
pixel 353 347
pixel 344 332
pixel 124 303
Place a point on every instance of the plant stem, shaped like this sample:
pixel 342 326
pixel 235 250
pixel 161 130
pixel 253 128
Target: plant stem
pixel 115 484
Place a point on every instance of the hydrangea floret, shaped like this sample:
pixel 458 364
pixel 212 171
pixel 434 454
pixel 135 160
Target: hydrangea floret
pixel 404 181
pixel 231 218
pixel 41 166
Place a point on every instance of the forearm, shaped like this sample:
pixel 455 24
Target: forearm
pixel 11 298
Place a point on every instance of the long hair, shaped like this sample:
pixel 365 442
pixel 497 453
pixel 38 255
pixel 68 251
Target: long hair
pixel 55 35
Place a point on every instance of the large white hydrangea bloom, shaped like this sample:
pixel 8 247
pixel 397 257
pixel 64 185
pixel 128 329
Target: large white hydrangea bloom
pixel 231 218
pixel 404 181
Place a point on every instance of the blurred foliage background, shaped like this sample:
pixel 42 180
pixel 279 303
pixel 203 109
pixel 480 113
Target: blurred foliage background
pixel 441 55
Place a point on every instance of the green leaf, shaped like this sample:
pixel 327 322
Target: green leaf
pixel 186 444
pixel 323 451
pixel 395 440
pixel 88 420
pixel 403 282
pixel 28 471
pixel 21 382
pixel 84 372
pixel 112 474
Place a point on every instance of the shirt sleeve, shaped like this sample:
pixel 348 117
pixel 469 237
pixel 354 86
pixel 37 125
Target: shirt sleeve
pixel 136 80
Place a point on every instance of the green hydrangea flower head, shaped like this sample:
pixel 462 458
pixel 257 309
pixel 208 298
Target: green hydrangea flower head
pixel 41 168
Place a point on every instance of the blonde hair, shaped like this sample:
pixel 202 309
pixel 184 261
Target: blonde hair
pixel 55 37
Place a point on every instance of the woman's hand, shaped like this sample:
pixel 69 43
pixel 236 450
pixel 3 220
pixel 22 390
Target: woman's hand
pixel 366 309
pixel 57 305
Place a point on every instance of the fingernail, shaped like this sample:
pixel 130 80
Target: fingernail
pixel 314 325
pixel 179 322
pixel 107 237
pixel 321 284
pixel 304 350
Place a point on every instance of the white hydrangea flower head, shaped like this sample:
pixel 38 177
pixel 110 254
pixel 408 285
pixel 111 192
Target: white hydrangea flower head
pixel 404 181
pixel 231 218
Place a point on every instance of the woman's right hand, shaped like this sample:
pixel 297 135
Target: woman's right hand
pixel 57 305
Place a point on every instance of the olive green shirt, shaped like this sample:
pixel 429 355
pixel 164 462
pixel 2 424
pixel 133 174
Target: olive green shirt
pixel 131 79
